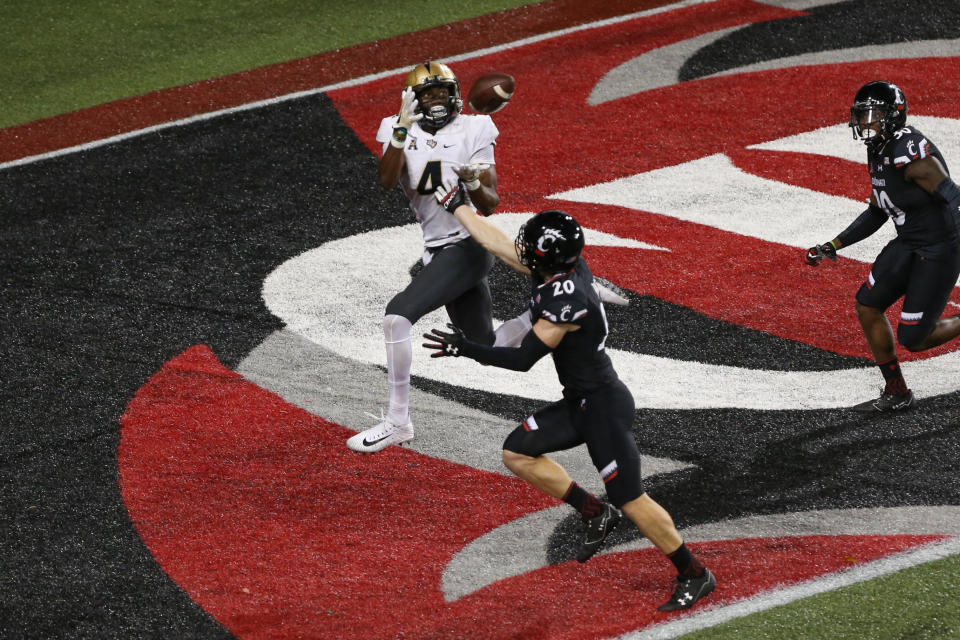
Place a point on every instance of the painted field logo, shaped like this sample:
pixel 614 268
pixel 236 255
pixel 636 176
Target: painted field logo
pixel 698 198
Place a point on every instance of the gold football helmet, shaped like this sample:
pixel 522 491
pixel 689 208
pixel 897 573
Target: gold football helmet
pixel 436 74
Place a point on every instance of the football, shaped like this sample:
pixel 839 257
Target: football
pixel 491 92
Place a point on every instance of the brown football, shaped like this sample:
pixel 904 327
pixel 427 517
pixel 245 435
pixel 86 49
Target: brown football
pixel 491 92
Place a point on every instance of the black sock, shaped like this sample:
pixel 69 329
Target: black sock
pixel 583 501
pixel 893 376
pixel 686 563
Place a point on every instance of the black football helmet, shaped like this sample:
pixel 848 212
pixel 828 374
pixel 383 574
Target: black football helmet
pixel 878 102
pixel 436 74
pixel 549 241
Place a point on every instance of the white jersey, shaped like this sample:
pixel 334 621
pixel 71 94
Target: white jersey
pixel 430 159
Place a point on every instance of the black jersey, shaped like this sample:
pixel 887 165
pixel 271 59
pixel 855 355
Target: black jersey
pixel 916 214
pixel 581 359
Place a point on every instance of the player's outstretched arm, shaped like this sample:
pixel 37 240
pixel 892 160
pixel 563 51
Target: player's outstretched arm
pixel 864 226
pixel 450 196
pixel 521 358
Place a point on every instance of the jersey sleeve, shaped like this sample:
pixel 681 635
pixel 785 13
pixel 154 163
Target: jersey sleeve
pixel 562 310
pixel 385 132
pixel 909 146
pixel 485 135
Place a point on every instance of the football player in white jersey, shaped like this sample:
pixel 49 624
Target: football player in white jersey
pixel 427 143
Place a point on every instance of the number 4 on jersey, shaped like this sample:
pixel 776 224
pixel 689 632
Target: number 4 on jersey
pixel 430 178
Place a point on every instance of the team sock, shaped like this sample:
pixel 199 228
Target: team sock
pixel 686 563
pixel 396 335
pixel 894 377
pixel 583 501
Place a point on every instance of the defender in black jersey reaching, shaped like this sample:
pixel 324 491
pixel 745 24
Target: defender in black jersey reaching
pixel 597 409
pixel 911 186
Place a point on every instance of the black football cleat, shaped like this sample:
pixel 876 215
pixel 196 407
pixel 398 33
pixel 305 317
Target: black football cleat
pixel 886 403
pixel 689 591
pixel 598 529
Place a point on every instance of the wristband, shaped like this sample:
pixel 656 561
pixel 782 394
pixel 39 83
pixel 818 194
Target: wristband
pixel 473 185
pixel 399 137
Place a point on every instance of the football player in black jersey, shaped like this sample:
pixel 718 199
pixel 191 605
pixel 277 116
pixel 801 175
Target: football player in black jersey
pixel 597 409
pixel 912 186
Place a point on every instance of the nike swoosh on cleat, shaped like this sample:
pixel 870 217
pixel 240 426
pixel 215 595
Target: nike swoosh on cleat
pixel 369 443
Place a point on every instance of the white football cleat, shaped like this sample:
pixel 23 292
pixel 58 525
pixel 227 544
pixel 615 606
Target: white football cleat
pixel 381 436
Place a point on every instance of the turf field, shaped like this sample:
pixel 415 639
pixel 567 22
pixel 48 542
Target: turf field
pixel 173 461
pixel 66 56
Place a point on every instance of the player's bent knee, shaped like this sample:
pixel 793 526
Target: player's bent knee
pixel 867 313
pixel 913 337
pixel 622 493
pixel 513 460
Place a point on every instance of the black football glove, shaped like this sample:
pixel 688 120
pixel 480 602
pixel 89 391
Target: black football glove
pixel 450 194
pixel 818 253
pixel 444 344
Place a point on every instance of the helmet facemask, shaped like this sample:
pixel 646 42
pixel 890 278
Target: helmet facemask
pixel 427 76
pixel 871 112
pixel 439 115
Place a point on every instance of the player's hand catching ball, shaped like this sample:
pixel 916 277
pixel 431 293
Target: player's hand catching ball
pixel 408 109
pixel 470 174
pixel 443 343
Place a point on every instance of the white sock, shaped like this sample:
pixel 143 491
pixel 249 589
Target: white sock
pixel 396 336
pixel 511 332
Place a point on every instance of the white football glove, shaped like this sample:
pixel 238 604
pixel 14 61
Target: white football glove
pixel 406 118
pixel 470 174
pixel 408 108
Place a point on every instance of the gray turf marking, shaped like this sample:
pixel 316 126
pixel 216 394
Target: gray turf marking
pixel 661 67
pixel 520 546
pixel 341 390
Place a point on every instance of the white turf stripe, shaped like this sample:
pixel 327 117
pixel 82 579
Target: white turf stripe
pixel 294 292
pixel 835 140
pixel 831 582
pixel 342 85
pixel 721 195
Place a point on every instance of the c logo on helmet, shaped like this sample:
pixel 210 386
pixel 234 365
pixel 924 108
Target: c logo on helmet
pixel 548 239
